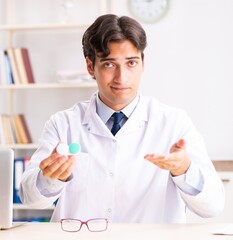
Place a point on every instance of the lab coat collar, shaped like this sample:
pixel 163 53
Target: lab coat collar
pixel 96 126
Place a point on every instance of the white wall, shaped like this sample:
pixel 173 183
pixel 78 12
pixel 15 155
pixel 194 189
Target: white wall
pixel 190 65
pixel 188 62
pixel 193 57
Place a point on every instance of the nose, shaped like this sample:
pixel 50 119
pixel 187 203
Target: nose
pixel 120 75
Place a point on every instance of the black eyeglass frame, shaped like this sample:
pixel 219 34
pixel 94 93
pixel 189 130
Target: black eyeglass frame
pixel 84 223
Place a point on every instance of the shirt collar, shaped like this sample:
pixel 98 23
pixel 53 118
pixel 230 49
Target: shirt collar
pixel 106 112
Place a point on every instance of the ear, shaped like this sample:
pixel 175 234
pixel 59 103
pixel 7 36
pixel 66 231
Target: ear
pixel 90 68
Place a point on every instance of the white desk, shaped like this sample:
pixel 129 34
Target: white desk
pixel 52 231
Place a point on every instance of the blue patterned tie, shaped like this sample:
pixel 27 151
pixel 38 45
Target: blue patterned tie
pixel 118 116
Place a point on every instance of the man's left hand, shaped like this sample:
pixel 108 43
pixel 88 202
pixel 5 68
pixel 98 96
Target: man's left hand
pixel 177 161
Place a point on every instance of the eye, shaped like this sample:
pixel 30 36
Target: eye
pixel 109 65
pixel 132 63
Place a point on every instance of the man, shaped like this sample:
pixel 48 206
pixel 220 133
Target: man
pixel 149 171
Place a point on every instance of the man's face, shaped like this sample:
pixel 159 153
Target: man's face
pixel 118 75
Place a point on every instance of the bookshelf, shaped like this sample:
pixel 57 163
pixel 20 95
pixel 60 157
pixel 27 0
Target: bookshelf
pixel 22 97
pixel 22 207
pixel 84 84
pixel 36 27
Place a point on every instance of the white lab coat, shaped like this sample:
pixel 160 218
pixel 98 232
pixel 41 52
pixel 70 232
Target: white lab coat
pixel 111 178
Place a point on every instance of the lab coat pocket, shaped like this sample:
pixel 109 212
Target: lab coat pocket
pixel 80 173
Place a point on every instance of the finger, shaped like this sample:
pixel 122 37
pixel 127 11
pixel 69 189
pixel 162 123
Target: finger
pixel 50 169
pixel 153 156
pixel 178 146
pixel 48 161
pixel 167 162
pixel 64 171
pixel 181 143
pixel 67 172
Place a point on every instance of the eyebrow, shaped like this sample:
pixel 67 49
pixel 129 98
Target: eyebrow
pixel 114 59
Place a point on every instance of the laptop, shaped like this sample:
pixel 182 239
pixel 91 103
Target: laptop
pixel 6 188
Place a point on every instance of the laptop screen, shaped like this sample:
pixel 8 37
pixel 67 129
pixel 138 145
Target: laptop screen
pixel 6 187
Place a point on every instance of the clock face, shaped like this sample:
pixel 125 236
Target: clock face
pixel 148 10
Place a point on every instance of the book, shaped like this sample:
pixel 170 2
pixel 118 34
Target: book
pixel 20 65
pixel 7 129
pixel 22 132
pixel 18 173
pixel 27 64
pixel 8 69
pixel 25 127
pixel 2 134
pixel 15 128
pixel 3 68
pixel 14 68
pixel 13 133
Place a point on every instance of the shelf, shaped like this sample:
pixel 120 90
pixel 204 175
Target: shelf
pixel 84 84
pixel 223 165
pixel 9 28
pixel 18 206
pixel 20 146
pixel 36 27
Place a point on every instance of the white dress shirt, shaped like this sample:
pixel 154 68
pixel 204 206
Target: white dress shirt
pixel 111 178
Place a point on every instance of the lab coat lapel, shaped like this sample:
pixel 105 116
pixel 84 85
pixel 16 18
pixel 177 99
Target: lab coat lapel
pixel 93 122
pixel 96 126
pixel 137 120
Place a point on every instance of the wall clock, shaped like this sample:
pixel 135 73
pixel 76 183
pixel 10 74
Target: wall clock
pixel 148 11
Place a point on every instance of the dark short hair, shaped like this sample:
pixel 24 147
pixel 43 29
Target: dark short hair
pixel 111 28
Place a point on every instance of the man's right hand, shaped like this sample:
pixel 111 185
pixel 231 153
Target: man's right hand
pixel 58 166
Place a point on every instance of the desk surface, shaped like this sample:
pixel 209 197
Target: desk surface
pixel 45 231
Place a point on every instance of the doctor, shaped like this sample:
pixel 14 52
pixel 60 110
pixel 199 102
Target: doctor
pixel 149 171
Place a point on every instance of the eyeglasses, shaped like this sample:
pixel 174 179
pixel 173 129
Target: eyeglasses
pixel 93 225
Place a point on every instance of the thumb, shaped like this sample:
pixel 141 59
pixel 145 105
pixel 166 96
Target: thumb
pixel 178 146
pixel 180 143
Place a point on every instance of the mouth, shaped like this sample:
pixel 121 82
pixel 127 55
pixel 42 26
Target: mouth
pixel 119 89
